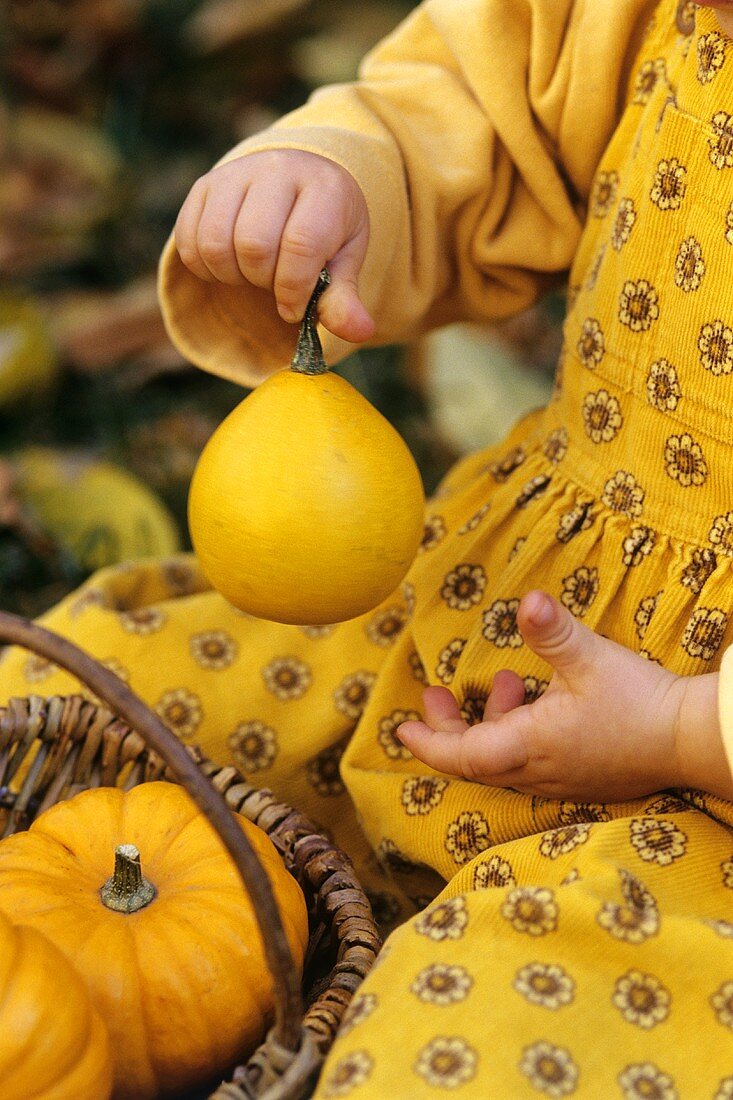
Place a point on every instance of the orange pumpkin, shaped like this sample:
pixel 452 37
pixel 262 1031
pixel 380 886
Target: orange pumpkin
pixel 172 957
pixel 53 1044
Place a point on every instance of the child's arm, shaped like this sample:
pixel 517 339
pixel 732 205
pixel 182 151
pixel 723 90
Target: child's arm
pixel 610 726
pixel 473 132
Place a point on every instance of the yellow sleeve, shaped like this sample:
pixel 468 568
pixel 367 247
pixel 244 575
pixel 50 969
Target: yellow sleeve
pixel 474 131
pixel 725 704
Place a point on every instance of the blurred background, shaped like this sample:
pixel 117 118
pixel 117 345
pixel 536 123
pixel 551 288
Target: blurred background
pixel 109 110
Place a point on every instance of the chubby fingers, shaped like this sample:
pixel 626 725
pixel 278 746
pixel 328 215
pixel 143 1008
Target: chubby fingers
pixel 483 753
pixel 554 634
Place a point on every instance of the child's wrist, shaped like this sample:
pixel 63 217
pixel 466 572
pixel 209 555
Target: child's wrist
pixel 700 756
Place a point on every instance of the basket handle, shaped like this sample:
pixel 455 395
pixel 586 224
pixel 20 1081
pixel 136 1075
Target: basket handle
pixel 122 701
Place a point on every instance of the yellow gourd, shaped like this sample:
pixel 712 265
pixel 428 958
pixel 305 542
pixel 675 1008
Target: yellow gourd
pixel 306 506
pixel 168 945
pixel 53 1044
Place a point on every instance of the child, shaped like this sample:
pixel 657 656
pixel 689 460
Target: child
pixel 580 943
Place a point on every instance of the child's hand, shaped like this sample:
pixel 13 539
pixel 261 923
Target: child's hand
pixel 275 219
pixel 606 729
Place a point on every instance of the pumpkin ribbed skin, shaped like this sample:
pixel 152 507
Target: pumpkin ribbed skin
pixel 182 983
pixel 53 1044
pixel 306 506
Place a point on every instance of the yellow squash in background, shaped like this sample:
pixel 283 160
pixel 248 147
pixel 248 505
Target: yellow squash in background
pixel 306 505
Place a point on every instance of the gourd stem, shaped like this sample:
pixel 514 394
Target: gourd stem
pixel 126 890
pixel 128 706
pixel 308 358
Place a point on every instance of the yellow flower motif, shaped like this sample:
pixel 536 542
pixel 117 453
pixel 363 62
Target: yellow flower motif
pixel 417 668
pixel 545 985
pixel 603 195
pixel 684 461
pixel 531 909
pixel 556 446
pixel 533 688
pixel 181 711
pixel 142 620
pixel 721 142
pixel 715 345
pixel 360 1009
pixel 580 589
pixel 88 597
pixel 689 265
pixel 472 523
pixel 643 1081
pixel 421 794
pixel 352 694
pixel 500 624
pixel 558 842
pixel 388 738
pixel 602 417
pixel 722 1002
pixel 441 984
pixel 494 871
pixel 322 630
pixel 253 745
pixel 549 1069
pixel 669 184
pixel 638 305
pixel 467 836
pixel 647 78
pixel 464 586
pixel 578 519
pixel 702 565
pixel 721 534
pixel 500 471
pixel 638 545
pixel 662 386
pixel 729 225
pixel 710 56
pixel 644 613
pixel 657 840
pixel 448 660
pixel 636 918
pixel 287 677
pixel 591 346
pixel 532 489
pixel 323 771
pixel 213 649
pixel 348 1073
pixel 623 224
pixel 571 813
pixel 704 632
pixel 447 1063
pixel 641 999
pixel 727 869
pixel 623 494
pixel 446 921
pixel 433 533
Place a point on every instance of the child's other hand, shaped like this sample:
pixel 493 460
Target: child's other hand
pixel 604 730
pixel 275 219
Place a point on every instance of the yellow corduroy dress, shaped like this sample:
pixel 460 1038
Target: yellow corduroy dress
pixel 575 949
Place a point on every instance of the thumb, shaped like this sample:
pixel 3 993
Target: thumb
pixel 341 310
pixel 555 635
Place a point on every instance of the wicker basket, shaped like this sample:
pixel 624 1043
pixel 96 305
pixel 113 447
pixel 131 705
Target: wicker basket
pixel 76 744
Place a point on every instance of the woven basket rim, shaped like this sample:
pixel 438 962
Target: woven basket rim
pixel 85 743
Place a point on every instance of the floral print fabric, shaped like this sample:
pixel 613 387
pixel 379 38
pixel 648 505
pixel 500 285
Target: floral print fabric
pixel 542 948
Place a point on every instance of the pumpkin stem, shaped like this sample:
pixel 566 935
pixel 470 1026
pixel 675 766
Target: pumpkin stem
pixel 308 358
pixel 126 890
